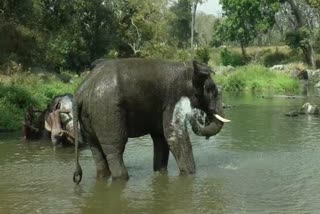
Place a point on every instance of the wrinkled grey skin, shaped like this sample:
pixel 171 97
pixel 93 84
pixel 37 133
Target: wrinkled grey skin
pixel 133 97
pixel 59 120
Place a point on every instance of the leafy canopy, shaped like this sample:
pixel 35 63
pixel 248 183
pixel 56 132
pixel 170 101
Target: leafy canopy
pixel 244 19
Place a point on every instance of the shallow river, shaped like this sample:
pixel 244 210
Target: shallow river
pixel 262 162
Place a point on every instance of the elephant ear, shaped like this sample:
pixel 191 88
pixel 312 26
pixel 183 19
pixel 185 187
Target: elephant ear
pixel 48 123
pixel 200 73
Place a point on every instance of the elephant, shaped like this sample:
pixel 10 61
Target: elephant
pixel 55 122
pixel 59 120
pixel 33 126
pixel 129 98
pixel 309 108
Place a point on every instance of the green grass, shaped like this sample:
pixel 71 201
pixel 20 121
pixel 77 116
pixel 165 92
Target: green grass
pixel 256 78
pixel 21 90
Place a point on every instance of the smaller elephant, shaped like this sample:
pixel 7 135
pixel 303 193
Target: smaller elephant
pixel 55 122
pixel 59 121
pixel 33 126
pixel 309 108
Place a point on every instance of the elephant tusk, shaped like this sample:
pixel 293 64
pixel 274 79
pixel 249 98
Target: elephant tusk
pixel 221 118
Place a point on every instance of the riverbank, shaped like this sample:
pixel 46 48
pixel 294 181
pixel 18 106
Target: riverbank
pixel 257 79
pixel 22 89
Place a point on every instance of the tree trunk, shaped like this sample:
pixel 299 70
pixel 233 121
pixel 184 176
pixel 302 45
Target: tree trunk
pixel 308 54
pixel 301 22
pixel 193 21
pixel 243 50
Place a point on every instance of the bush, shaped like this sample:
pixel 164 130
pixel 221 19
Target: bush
pixel 257 78
pixel 21 90
pixel 184 55
pixel 158 51
pixel 275 58
pixel 203 55
pixel 316 43
pixel 231 58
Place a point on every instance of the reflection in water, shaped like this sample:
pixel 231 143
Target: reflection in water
pixel 161 194
pixel 262 162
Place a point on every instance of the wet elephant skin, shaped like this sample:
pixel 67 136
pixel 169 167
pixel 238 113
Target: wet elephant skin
pixel 127 98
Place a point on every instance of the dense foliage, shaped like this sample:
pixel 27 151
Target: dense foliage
pixel 71 34
pixel 256 78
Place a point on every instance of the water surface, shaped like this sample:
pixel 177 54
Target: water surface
pixel 262 162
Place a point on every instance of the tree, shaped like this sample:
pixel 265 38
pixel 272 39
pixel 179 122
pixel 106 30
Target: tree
pixel 204 28
pixel 314 3
pixel 246 18
pixel 194 4
pixel 140 23
pixel 302 34
pixel 180 29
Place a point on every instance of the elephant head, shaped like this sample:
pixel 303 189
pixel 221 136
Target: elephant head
pixel 207 117
pixel 59 121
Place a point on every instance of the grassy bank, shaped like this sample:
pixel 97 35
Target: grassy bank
pixel 256 78
pixel 20 90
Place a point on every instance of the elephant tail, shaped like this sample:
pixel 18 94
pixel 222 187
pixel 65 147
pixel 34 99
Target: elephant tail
pixel 77 175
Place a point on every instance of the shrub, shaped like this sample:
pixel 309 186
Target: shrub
pixel 275 58
pixel 257 78
pixel 20 91
pixel 203 55
pixel 231 58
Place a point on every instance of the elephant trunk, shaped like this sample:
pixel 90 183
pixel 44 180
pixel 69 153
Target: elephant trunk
pixel 210 127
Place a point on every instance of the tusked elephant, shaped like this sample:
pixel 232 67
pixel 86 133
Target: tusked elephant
pixel 128 98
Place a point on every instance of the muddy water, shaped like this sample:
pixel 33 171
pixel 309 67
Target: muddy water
pixel 262 162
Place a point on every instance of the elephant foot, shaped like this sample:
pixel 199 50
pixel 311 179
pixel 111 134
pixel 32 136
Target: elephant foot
pixel 162 171
pixel 117 167
pixel 103 172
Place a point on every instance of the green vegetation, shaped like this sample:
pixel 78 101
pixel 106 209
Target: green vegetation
pixel 58 36
pixel 21 90
pixel 245 19
pixel 256 78
pixel 267 56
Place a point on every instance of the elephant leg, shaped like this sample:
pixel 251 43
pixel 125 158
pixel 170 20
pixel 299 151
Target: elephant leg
pixel 160 153
pixel 113 139
pixel 179 143
pixel 98 156
pixel 114 155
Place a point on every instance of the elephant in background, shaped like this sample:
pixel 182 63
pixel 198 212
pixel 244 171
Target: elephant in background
pixel 127 98
pixel 33 126
pixel 55 122
pixel 59 121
